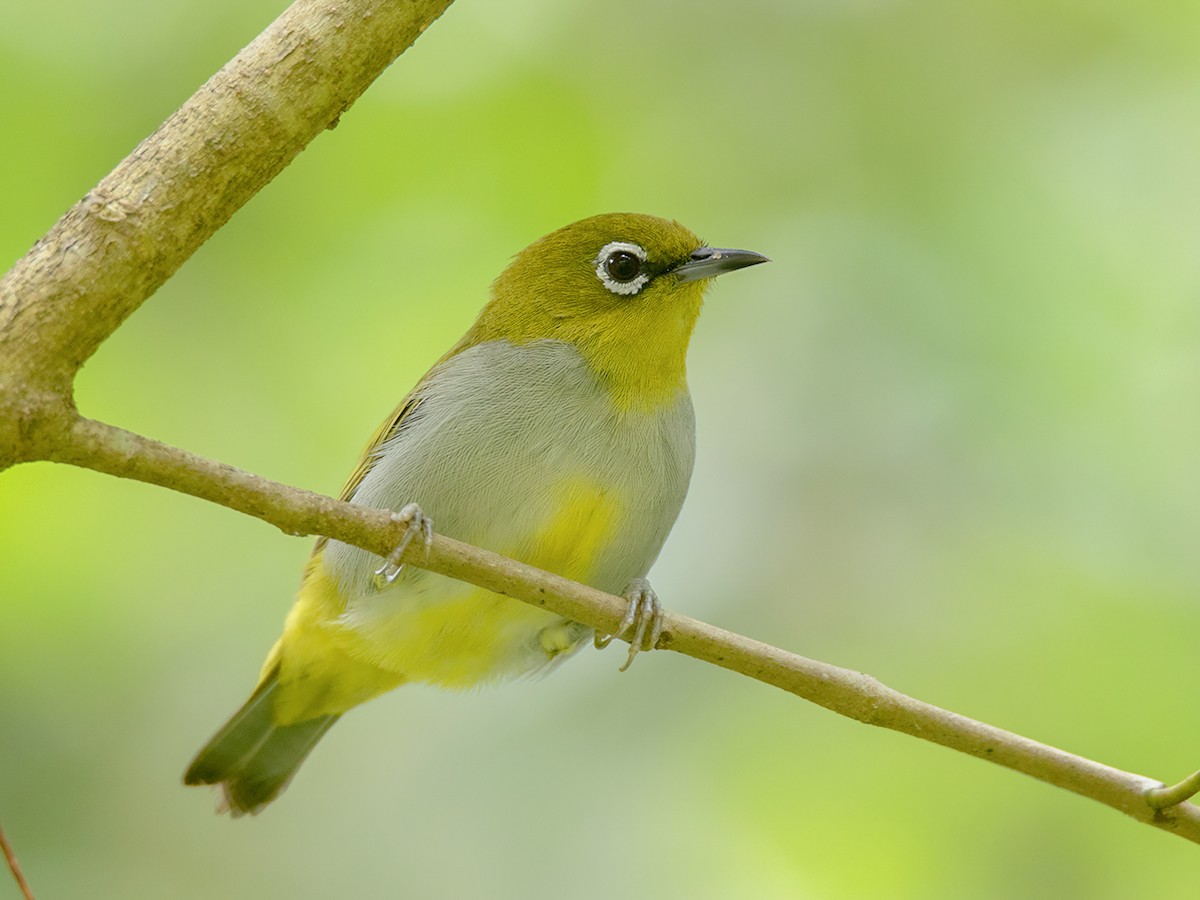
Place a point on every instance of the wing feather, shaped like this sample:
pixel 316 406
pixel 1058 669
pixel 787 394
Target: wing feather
pixel 390 426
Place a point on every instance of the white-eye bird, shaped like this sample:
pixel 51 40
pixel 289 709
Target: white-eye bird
pixel 558 431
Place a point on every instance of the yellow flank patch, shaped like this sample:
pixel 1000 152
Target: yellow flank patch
pixel 478 636
pixel 583 527
pixel 439 631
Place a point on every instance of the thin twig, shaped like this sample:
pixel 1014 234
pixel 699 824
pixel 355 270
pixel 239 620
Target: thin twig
pixel 118 452
pixel 1163 797
pixel 10 857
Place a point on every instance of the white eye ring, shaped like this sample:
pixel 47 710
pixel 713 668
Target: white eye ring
pixel 623 288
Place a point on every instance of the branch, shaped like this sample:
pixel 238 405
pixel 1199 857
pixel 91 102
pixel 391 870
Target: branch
pixel 843 691
pixel 129 234
pixel 10 857
pixel 115 247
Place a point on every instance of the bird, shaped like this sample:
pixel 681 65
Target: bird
pixel 558 431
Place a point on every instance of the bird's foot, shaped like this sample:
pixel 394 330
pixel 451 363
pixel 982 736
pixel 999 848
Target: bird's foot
pixel 416 523
pixel 645 611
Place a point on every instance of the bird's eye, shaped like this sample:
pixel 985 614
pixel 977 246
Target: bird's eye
pixel 620 266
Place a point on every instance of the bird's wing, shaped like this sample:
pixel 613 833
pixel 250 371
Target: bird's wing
pixel 386 429
pixel 384 432
pixel 400 415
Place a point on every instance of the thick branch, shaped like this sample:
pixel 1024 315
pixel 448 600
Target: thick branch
pixel 853 694
pixel 118 244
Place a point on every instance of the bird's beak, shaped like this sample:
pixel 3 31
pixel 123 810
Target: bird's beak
pixel 708 262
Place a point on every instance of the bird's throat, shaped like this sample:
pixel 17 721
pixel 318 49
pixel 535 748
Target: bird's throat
pixel 637 350
pixel 644 368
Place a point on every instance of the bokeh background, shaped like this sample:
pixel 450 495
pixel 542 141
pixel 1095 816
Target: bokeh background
pixel 950 437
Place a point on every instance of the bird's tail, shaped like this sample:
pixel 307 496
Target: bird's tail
pixel 252 757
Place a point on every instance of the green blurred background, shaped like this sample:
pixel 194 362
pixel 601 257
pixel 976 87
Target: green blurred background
pixel 949 437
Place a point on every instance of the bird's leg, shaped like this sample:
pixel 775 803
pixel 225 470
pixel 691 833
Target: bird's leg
pixel 415 522
pixel 644 610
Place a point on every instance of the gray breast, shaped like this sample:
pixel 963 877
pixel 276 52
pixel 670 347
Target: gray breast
pixel 497 427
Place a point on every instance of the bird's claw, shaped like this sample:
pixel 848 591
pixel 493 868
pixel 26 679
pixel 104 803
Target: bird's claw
pixel 415 522
pixel 644 610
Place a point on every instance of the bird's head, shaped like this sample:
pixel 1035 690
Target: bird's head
pixel 624 289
